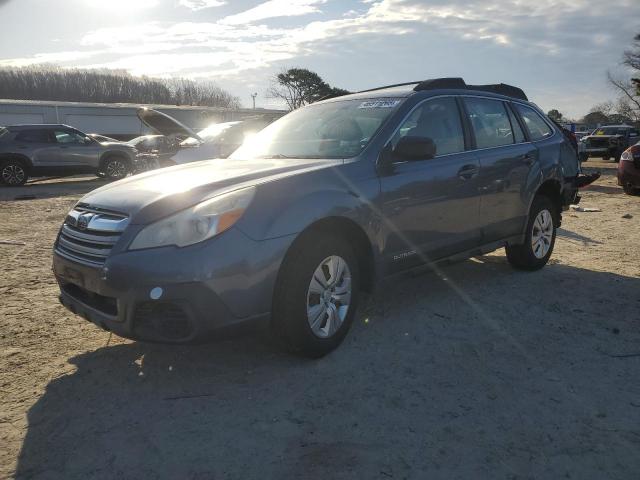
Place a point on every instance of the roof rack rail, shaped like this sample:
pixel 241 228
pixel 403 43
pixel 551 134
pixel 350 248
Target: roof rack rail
pixel 389 86
pixel 459 83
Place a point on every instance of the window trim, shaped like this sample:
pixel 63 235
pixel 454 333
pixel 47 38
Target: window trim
pixel 554 130
pixel 413 109
pixel 473 133
pixel 473 147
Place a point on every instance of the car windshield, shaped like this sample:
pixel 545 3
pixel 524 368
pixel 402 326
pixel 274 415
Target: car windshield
pixel 339 129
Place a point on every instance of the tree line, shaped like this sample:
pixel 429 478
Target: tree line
pixel 108 86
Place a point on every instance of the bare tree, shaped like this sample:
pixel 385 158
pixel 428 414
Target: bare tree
pixel 628 91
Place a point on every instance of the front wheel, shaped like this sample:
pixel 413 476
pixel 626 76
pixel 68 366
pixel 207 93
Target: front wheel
pixel 316 296
pixel 13 173
pixel 540 239
pixel 115 168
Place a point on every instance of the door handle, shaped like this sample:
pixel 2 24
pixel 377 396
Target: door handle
pixel 467 172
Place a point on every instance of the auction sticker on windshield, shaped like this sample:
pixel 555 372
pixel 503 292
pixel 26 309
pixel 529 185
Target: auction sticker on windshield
pixel 379 104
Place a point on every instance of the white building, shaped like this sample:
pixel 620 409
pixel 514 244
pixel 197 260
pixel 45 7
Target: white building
pixel 117 120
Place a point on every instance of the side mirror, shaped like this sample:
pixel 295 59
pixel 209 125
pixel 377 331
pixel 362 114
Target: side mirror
pixel 411 148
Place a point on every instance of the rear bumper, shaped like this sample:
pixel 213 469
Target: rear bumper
pixel 175 295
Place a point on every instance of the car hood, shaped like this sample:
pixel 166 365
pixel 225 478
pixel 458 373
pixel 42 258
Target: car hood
pixel 156 194
pixel 164 124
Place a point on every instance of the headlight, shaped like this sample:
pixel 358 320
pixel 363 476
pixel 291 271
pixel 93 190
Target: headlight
pixel 196 224
pixel 626 156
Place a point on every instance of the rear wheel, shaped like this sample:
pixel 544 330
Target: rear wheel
pixel 316 296
pixel 13 173
pixel 540 239
pixel 115 168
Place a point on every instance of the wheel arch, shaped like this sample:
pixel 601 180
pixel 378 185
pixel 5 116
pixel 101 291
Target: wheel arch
pixel 552 189
pixel 352 232
pixel 17 156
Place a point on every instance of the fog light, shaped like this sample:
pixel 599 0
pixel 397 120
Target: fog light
pixel 156 293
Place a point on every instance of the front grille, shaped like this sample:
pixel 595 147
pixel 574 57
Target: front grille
pixel 108 305
pixel 88 234
pixel 599 142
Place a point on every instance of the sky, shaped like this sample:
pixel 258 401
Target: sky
pixel 557 51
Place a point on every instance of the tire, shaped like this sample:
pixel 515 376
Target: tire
pixel 583 157
pixel 13 173
pixel 298 297
pixel 115 168
pixel 100 174
pixel 630 190
pixel 535 255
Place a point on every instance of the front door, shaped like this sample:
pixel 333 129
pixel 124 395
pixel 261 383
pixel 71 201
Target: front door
pixel 430 206
pixel 76 150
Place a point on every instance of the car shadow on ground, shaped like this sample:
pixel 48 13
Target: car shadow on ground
pixel 50 188
pixel 472 371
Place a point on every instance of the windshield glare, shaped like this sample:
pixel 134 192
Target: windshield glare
pixel 338 129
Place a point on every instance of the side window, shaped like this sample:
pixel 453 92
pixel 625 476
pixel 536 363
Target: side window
pixel 490 122
pixel 439 120
pixel 67 137
pixel 538 128
pixel 33 136
pixel 517 130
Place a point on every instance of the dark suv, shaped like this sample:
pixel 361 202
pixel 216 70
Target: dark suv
pixel 36 150
pixel 316 208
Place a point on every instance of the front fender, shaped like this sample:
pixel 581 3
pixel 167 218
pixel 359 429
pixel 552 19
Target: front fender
pixel 288 206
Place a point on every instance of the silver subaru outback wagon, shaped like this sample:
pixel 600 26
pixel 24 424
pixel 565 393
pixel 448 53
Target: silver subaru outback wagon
pixel 316 208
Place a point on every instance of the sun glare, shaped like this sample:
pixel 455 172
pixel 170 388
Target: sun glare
pixel 121 5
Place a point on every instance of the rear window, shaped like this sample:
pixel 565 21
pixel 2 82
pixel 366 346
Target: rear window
pixel 33 136
pixel 538 128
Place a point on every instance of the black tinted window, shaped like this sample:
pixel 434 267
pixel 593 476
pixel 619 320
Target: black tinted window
pixel 490 122
pixel 439 120
pixel 538 128
pixel 33 136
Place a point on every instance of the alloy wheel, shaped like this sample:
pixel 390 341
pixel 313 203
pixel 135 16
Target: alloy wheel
pixel 542 233
pixel 329 296
pixel 13 174
pixel 116 169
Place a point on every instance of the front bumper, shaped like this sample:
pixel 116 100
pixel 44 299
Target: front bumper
pixel 175 295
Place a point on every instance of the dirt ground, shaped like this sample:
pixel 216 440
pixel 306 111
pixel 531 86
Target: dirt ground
pixel 477 371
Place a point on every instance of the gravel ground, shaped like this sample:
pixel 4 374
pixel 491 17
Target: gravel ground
pixel 477 371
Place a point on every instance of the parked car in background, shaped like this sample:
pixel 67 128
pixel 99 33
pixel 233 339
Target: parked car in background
pixel 313 209
pixel 629 170
pixel 37 150
pixel 218 140
pixel 160 145
pixel 608 142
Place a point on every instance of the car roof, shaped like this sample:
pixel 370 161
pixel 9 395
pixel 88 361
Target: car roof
pixel 32 126
pixel 453 86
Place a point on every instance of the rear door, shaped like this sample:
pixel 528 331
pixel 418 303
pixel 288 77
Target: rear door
pixel 430 206
pixel 506 161
pixel 38 145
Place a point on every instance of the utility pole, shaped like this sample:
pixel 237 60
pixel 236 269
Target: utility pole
pixel 253 97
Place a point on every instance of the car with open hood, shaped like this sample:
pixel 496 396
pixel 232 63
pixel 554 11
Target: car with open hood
pixel 218 140
pixel 314 209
